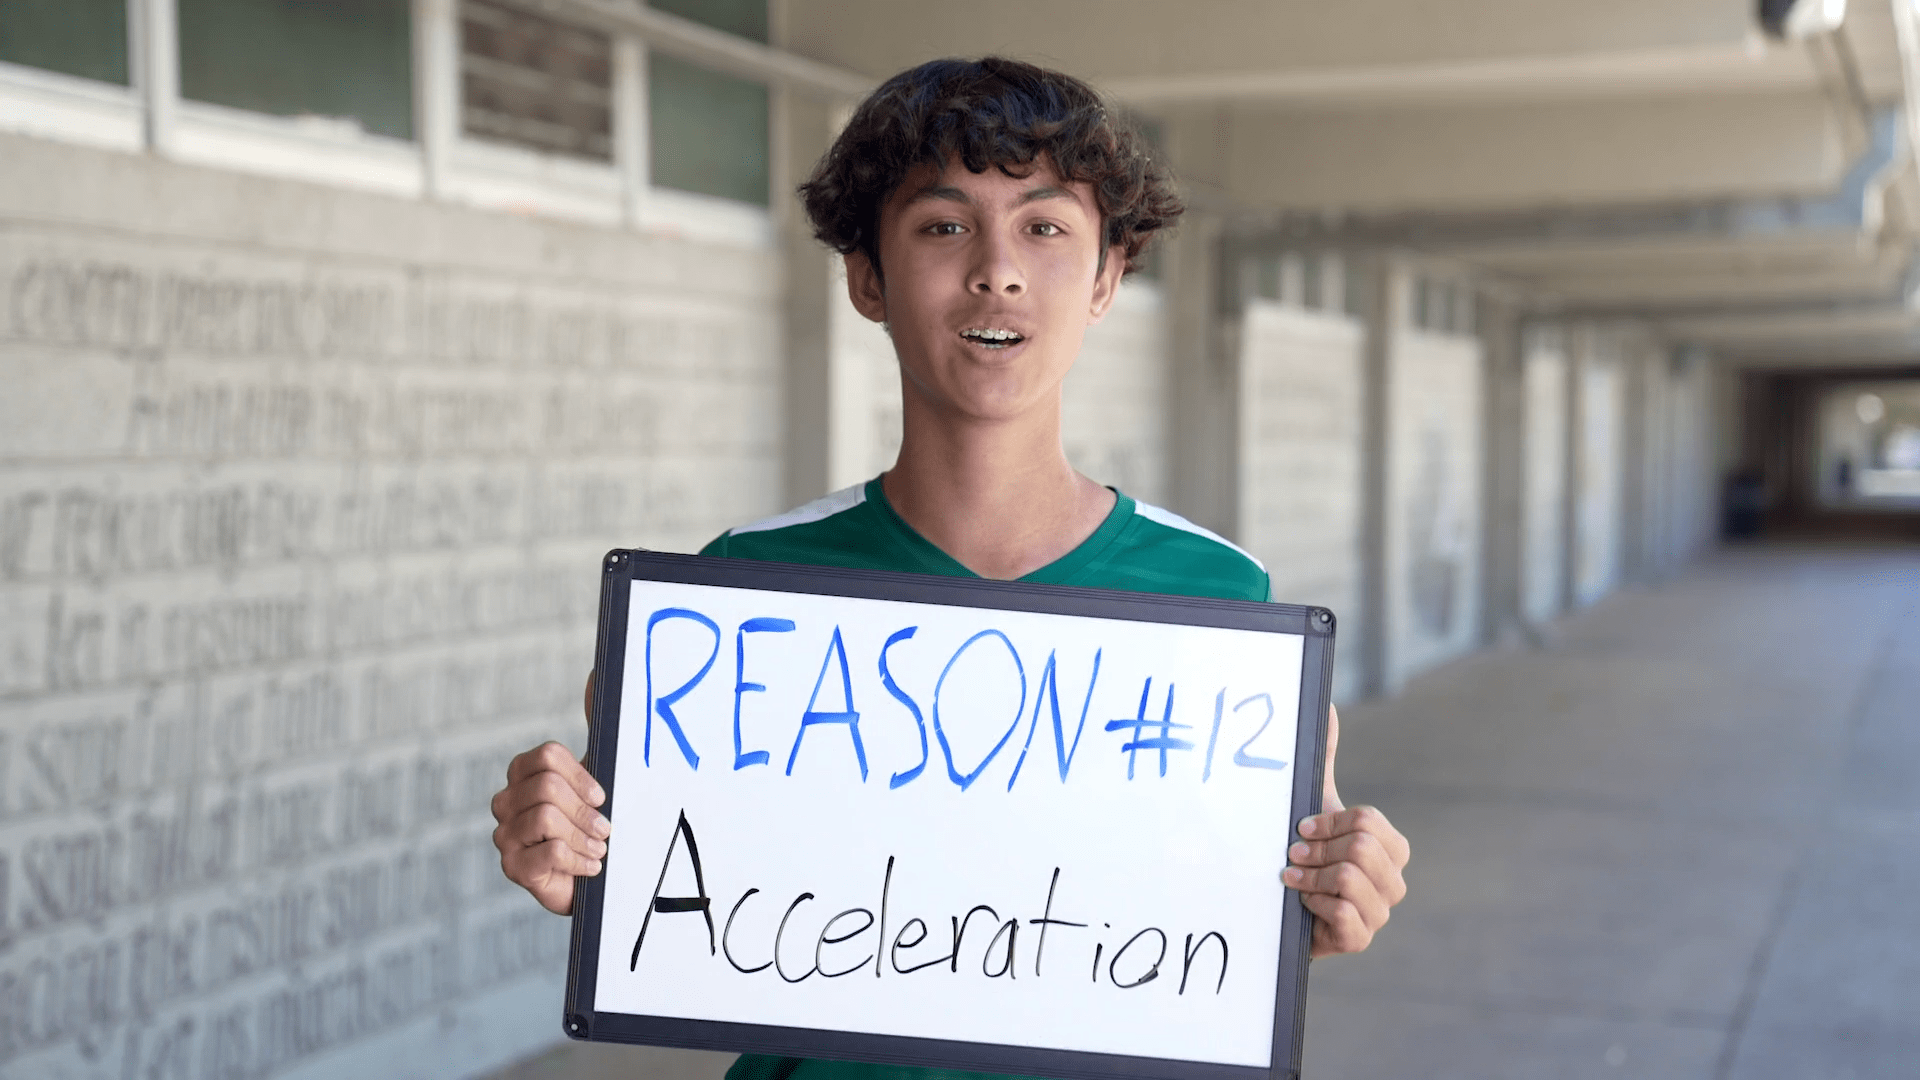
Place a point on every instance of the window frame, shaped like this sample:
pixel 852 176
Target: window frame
pixel 70 108
pixel 440 163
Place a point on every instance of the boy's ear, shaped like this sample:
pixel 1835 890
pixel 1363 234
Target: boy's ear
pixel 864 288
pixel 1105 284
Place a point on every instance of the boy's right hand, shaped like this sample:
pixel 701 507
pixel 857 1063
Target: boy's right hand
pixel 549 831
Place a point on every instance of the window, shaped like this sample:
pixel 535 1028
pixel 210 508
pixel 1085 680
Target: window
pixel 709 131
pixel 327 90
pixel 348 59
pixel 87 38
pixel 741 18
pixel 535 82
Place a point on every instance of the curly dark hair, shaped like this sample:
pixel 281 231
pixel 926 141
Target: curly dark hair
pixel 991 113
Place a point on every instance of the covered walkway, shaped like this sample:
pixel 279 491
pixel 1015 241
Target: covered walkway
pixel 340 342
pixel 1678 841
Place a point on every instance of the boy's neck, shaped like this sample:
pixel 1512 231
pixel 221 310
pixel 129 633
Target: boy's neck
pixel 1000 497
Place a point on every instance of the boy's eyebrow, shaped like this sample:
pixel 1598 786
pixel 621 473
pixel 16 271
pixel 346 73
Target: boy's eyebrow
pixel 1036 194
pixel 940 192
pixel 947 193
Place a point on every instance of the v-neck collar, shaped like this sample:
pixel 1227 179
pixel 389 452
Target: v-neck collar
pixel 930 559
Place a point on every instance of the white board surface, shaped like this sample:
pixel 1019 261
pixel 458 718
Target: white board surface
pixel 991 823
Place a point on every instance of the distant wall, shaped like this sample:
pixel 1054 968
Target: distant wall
pixel 301 498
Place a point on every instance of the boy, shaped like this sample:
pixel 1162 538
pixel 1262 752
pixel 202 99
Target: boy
pixel 986 211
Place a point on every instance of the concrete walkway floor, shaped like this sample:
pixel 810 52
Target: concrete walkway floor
pixel 1682 840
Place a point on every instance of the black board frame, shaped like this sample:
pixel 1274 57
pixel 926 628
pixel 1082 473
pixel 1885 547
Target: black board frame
pixel 621 567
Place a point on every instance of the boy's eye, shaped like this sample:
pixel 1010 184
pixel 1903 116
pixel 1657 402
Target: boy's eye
pixel 945 228
pixel 1045 228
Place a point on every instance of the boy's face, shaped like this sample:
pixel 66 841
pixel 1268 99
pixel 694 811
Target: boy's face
pixel 990 284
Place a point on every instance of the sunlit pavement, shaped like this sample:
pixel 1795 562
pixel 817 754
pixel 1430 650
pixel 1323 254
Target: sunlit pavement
pixel 1681 840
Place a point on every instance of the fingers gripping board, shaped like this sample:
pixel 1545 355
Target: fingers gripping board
pixel 957 823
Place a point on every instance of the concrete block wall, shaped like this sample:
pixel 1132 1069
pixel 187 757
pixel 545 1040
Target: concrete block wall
pixel 302 494
pixel 1432 521
pixel 1301 426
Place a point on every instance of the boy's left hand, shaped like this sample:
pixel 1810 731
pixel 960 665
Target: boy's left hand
pixel 1347 867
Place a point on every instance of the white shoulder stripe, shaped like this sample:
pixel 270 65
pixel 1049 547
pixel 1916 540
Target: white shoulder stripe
pixel 1174 521
pixel 818 510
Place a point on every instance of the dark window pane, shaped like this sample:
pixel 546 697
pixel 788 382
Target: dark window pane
pixel 741 18
pixel 87 38
pixel 709 131
pixel 344 58
pixel 535 82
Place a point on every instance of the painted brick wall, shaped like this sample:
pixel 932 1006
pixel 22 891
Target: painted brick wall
pixel 302 495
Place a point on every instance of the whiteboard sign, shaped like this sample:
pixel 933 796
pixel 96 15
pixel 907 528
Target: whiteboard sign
pixel 966 824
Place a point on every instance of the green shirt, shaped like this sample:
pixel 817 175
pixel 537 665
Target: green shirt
pixel 1139 548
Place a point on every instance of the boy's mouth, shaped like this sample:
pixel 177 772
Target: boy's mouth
pixel 991 337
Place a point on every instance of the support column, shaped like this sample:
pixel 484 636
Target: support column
pixel 1580 350
pixel 1704 428
pixel 1635 430
pixel 1203 436
pixel 832 351
pixel 1204 399
pixel 829 392
pixel 811 287
pixel 1383 289
pixel 1503 478
pixel 1650 465
pixel 1546 375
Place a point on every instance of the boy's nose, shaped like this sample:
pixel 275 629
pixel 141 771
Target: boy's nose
pixel 997 272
